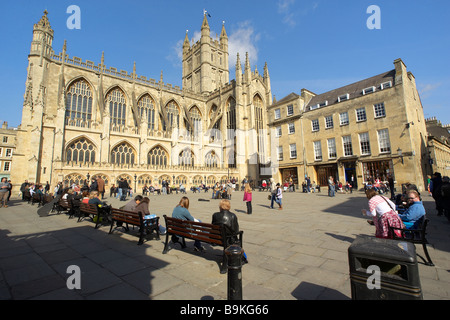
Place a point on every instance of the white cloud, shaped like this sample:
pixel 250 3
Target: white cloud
pixel 285 9
pixel 290 13
pixel 426 89
pixel 242 40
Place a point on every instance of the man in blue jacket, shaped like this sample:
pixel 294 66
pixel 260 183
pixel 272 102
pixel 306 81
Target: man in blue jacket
pixel 412 216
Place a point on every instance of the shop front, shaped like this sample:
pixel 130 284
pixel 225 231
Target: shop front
pixel 288 173
pixel 324 172
pixel 381 169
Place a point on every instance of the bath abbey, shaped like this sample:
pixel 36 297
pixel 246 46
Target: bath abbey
pixel 82 119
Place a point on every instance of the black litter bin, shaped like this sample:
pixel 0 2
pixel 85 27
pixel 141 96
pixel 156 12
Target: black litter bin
pixel 397 265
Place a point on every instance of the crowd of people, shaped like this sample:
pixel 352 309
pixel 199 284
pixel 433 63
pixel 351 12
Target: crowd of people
pixel 404 210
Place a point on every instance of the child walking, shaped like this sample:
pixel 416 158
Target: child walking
pixel 248 197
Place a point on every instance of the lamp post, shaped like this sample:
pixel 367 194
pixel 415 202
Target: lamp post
pixel 135 180
pixel 87 180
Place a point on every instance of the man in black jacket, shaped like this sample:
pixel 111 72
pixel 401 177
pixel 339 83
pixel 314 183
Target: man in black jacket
pixel 445 193
pixel 123 184
pixel 435 188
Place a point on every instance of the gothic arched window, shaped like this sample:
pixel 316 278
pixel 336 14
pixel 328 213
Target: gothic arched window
pixel 173 115
pixel 186 158
pixel 211 160
pixel 196 119
pixel 123 154
pixel 74 178
pixel 258 104
pixel 231 118
pixel 215 133
pixel 79 104
pixel 117 106
pixel 82 150
pixel 146 107
pixel 157 157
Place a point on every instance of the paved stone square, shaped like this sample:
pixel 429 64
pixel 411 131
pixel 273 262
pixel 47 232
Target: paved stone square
pixel 300 252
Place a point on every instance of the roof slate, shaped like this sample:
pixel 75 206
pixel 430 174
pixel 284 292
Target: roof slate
pixel 354 90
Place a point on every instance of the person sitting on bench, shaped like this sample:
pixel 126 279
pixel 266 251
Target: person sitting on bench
pixel 229 221
pixel 414 214
pixel 181 212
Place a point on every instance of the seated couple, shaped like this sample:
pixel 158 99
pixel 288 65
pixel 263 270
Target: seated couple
pixel 383 213
pixel 141 204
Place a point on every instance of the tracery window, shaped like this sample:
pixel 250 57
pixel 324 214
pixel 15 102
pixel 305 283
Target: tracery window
pixel 146 107
pixel 196 120
pixel 144 180
pixel 79 104
pixel 211 160
pixel 186 158
pixel 231 118
pixel 117 106
pixel 197 180
pixel 210 181
pixel 179 180
pixel 157 157
pixel 258 104
pixel 82 150
pixel 123 154
pixel 173 115
pixel 215 130
pixel 74 178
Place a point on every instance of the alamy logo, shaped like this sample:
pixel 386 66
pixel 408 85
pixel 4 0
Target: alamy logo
pixel 74 281
pixel 374 21
pixel 373 282
pixel 74 21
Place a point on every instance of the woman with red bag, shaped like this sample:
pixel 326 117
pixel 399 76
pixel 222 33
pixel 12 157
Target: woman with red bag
pixel 383 214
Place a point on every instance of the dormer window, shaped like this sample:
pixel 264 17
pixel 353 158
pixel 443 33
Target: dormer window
pixel 323 104
pixel 319 105
pixel 368 90
pixel 385 85
pixel 343 97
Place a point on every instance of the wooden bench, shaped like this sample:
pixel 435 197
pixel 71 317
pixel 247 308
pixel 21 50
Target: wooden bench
pixel 416 236
pixel 146 227
pixel 204 232
pixel 36 199
pixel 62 205
pixel 96 213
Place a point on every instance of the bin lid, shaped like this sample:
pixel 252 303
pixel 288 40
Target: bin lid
pixel 387 249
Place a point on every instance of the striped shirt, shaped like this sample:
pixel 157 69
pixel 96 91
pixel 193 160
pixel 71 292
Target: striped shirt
pixel 378 205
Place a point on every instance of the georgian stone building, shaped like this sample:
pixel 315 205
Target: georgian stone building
pixel 81 119
pixel 7 149
pixel 369 129
pixel 438 147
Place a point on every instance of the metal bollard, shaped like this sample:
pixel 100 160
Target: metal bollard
pixel 234 258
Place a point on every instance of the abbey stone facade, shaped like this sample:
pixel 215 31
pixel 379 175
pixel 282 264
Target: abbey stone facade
pixel 81 119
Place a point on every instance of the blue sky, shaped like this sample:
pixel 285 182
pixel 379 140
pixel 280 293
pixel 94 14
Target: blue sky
pixel 319 45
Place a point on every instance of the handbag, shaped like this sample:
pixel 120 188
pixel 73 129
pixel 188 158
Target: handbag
pixel 269 197
pixel 393 218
